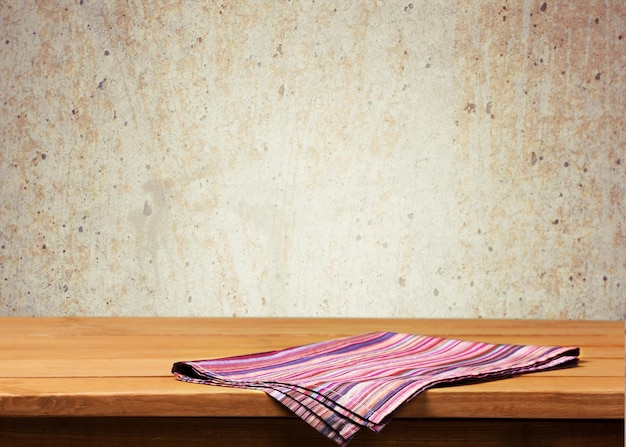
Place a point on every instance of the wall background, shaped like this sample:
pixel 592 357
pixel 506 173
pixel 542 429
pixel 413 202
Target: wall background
pixel 313 158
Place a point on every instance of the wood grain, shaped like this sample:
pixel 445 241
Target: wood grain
pixel 113 375
pixel 521 397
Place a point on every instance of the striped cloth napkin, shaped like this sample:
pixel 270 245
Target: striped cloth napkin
pixel 339 386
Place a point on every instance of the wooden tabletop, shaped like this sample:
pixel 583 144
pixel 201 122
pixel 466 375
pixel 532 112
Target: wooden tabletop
pixel 121 366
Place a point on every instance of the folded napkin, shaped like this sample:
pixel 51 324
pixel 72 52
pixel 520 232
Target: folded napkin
pixel 339 386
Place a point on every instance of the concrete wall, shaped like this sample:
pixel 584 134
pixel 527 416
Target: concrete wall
pixel 313 158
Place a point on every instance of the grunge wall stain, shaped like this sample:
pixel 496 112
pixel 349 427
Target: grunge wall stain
pixel 313 158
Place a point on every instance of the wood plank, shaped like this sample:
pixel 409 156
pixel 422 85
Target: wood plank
pixel 279 432
pixel 141 342
pixel 73 365
pixel 133 344
pixel 191 352
pixel 520 397
pixel 29 326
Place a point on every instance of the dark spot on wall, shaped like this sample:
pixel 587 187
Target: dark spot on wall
pixel 604 278
pixel 43 156
pixel 619 161
pixel 44 246
pixel 470 108
pixel 566 164
pixel 401 281
pixel 106 52
pixel 555 222
pixel 533 158
pixel 101 84
pixel 80 229
pixel 544 6
pixel 147 209
pixel 598 76
pixel 597 20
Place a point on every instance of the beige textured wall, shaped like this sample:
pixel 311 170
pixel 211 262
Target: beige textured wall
pixel 313 158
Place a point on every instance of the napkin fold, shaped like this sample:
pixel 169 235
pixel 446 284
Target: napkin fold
pixel 340 386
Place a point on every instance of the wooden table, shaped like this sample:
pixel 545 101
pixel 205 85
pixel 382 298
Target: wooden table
pixel 107 381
